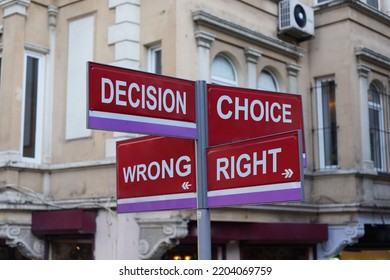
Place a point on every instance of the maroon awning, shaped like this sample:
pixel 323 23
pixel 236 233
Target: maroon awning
pixel 63 222
pixel 287 233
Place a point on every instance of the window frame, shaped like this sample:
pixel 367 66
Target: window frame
pixel 378 2
pixel 37 157
pixel 152 55
pixel 273 77
pixel 321 127
pixel 378 109
pixel 220 80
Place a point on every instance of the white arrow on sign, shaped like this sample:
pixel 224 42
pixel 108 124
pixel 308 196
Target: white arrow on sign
pixel 186 185
pixel 288 173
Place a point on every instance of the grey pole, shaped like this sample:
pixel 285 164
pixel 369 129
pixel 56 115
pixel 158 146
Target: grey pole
pixel 203 211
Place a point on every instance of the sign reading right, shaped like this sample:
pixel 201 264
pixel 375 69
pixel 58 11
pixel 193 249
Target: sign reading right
pixel 237 114
pixel 261 170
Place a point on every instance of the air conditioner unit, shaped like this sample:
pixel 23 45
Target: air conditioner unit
pixel 296 19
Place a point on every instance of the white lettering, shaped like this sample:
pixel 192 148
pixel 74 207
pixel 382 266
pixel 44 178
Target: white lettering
pixel 111 96
pixel 143 96
pixel 222 165
pixel 278 117
pixel 167 108
pixel 246 165
pixel 219 107
pixel 152 100
pixel 286 112
pixel 158 170
pixel 274 153
pixel 119 93
pixel 243 108
pixel 133 86
pixel 256 110
pixel 141 169
pixel 262 162
pixel 186 168
pixel 129 173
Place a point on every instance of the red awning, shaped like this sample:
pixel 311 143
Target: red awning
pixel 63 222
pixel 287 233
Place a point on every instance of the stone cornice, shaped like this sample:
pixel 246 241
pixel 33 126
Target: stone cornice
pixel 358 5
pixel 202 18
pixel 12 7
pixel 373 57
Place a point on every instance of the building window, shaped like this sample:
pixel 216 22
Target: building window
pixel 223 71
pixel 327 124
pixel 80 50
pixel 322 1
pixel 267 81
pixel 71 249
pixel 32 106
pixel 372 3
pixel 375 111
pixel 155 65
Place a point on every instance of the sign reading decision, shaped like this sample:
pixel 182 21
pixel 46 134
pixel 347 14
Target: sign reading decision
pixel 261 170
pixel 138 102
pixel 155 173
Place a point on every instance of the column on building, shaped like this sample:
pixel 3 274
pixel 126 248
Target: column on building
pixel 203 41
pixel 366 163
pixel 292 75
pixel 14 21
pixel 252 56
pixel 48 106
pixel 125 33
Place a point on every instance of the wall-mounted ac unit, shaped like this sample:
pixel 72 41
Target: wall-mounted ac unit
pixel 296 19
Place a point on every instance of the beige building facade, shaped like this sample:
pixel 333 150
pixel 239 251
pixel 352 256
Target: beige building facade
pixel 57 177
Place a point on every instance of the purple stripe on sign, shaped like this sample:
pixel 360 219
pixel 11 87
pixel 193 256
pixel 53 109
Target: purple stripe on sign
pixel 184 203
pixel 256 197
pixel 141 127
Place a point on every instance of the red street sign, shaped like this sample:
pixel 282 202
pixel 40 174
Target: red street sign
pixel 261 170
pixel 236 114
pixel 155 173
pixel 133 101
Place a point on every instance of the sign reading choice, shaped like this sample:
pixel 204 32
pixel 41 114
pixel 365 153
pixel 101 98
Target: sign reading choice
pixel 236 114
pixel 138 102
pixel 261 170
pixel 155 173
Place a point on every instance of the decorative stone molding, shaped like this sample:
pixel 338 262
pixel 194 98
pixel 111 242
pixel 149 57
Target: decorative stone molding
pixel 363 70
pixel 158 235
pixel 366 54
pixel 22 239
pixel 252 55
pixel 204 39
pixel 12 7
pixel 124 35
pixel 293 69
pixel 202 18
pixel 339 237
pixel 52 12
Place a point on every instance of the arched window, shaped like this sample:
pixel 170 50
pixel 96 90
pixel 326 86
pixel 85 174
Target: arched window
pixel 376 126
pixel 267 81
pixel 223 71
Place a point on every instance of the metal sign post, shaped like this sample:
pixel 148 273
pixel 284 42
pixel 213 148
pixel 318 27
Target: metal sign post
pixel 203 211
